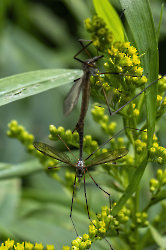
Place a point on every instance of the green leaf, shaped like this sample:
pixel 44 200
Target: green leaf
pixel 20 86
pixel 44 216
pixel 160 21
pixel 135 180
pixel 22 169
pixel 156 236
pixel 9 199
pixel 38 230
pixel 105 10
pixel 140 20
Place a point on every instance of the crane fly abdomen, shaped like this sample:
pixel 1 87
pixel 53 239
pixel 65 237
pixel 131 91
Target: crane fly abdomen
pixel 89 69
pixel 84 105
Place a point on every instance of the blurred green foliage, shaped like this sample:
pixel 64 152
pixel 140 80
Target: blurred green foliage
pixel 38 35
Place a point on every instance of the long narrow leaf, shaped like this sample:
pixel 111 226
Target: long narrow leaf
pixel 157 236
pixel 135 180
pixel 20 86
pixel 9 171
pixel 105 10
pixel 140 20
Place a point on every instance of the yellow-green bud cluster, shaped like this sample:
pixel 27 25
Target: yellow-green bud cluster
pixel 123 215
pixel 124 59
pixel 73 139
pixel 144 136
pixel 121 218
pixel 67 136
pixel 161 85
pixel 155 185
pixel 66 248
pixel 99 227
pixel 19 132
pixel 161 106
pixel 140 146
pixel 141 219
pixel 131 109
pixel 116 96
pixel 157 154
pixel 109 128
pixel 161 100
pixel 99 117
pixel 81 243
pixel 9 244
pixel 95 86
pixel 98 114
pixel 101 36
pixel 124 55
pixel 90 145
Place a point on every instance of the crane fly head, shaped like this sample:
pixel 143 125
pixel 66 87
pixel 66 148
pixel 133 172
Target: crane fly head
pixel 90 63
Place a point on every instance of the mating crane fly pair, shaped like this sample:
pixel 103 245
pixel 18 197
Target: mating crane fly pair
pixel 89 69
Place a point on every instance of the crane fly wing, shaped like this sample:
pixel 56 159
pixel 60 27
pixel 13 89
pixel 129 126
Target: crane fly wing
pixel 52 152
pixel 72 97
pixel 109 156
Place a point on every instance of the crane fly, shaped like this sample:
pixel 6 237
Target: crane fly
pixel 90 69
pixel 81 166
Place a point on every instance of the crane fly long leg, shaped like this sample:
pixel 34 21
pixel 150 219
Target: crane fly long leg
pixel 88 207
pixel 83 48
pixel 72 207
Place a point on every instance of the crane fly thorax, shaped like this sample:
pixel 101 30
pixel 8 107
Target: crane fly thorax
pixel 80 168
pixel 89 63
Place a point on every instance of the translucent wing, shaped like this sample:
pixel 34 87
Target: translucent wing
pixel 109 156
pixel 52 152
pixel 72 97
